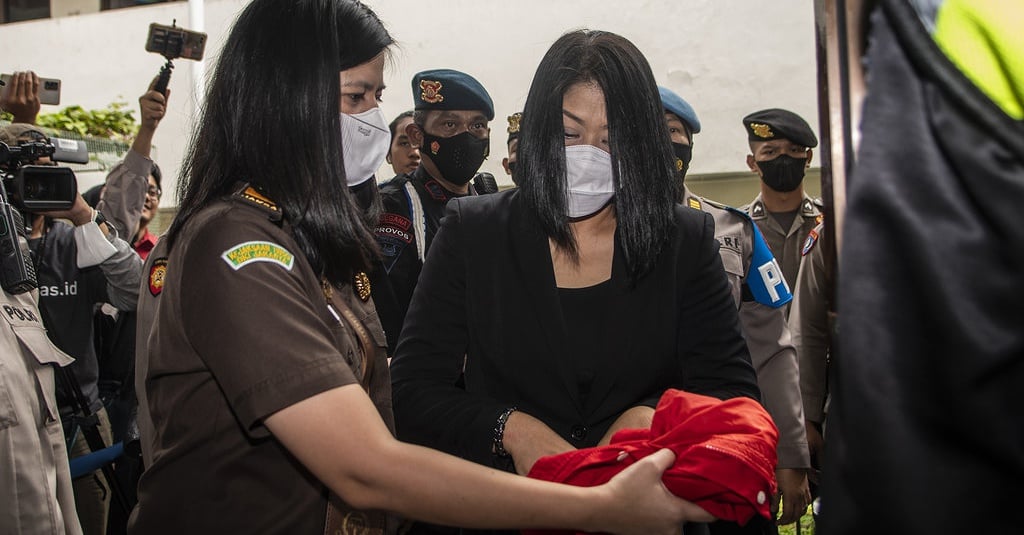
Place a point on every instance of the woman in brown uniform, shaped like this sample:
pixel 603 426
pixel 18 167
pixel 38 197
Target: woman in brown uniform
pixel 255 317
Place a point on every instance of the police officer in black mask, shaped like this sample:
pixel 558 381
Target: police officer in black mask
pixel 450 127
pixel 780 146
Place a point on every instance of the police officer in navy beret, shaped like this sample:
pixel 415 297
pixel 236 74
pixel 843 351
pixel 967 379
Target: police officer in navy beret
pixel 451 128
pixel 760 296
pixel 781 144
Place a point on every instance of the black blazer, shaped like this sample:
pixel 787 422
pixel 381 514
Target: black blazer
pixel 487 298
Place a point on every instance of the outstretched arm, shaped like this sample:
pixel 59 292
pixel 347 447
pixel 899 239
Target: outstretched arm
pixel 339 436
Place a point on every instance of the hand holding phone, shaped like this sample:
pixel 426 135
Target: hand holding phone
pixel 26 91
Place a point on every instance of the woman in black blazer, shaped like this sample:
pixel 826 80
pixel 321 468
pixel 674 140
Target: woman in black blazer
pixel 569 305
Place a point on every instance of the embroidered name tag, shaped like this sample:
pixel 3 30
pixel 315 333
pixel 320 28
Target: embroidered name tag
pixel 246 253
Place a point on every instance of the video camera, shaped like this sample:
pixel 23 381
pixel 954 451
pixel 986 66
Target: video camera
pixel 34 188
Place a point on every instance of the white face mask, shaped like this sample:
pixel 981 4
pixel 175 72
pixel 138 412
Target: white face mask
pixel 365 141
pixel 591 184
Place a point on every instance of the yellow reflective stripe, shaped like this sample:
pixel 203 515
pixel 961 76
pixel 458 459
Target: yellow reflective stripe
pixel 985 40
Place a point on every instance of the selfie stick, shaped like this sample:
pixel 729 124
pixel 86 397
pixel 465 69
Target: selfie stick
pixel 164 78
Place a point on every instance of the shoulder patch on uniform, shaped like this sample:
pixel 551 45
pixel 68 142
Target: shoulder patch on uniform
pixel 694 203
pixel 253 197
pixel 395 220
pixel 248 252
pixel 812 238
pixel 157 273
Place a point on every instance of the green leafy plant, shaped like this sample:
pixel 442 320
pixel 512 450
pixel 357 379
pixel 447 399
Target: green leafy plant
pixel 115 122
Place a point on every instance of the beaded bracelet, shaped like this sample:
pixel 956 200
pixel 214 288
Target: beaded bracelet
pixel 498 447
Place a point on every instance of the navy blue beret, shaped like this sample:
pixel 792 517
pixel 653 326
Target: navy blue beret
pixel 674 103
pixel 447 89
pixel 776 123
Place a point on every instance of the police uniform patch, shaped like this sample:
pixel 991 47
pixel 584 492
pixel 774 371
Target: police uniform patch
pixel 812 238
pixel 762 130
pixel 246 253
pixel 731 242
pixel 156 276
pixel 15 315
pixel 395 220
pixel 430 92
pixel 390 231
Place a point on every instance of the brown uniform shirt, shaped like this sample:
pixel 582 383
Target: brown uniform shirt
pixel 786 244
pixel 233 327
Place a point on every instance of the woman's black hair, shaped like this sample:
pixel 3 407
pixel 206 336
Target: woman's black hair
pixel 271 119
pixel 645 186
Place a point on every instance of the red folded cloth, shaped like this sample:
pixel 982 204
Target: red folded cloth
pixel 725 455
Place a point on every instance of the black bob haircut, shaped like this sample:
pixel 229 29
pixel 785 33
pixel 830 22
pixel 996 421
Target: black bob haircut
pixel 271 118
pixel 646 189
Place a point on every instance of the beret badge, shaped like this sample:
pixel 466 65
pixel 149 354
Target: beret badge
pixel 761 130
pixel 513 122
pixel 430 92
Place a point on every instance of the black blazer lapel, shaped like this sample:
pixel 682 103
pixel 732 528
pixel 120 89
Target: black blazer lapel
pixel 532 259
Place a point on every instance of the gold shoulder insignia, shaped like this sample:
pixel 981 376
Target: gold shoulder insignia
pixel 694 203
pixel 251 195
pixel 430 91
pixel 762 130
pixel 362 285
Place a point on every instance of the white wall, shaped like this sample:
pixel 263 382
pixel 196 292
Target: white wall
pixel 727 58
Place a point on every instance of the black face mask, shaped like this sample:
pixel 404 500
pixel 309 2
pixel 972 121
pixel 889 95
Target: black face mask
pixel 684 153
pixel 458 157
pixel 784 173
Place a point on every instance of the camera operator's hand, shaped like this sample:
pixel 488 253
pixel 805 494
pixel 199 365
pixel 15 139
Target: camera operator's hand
pixel 20 97
pixel 152 106
pixel 79 214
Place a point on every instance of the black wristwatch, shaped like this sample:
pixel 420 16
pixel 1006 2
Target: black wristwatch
pixel 98 217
